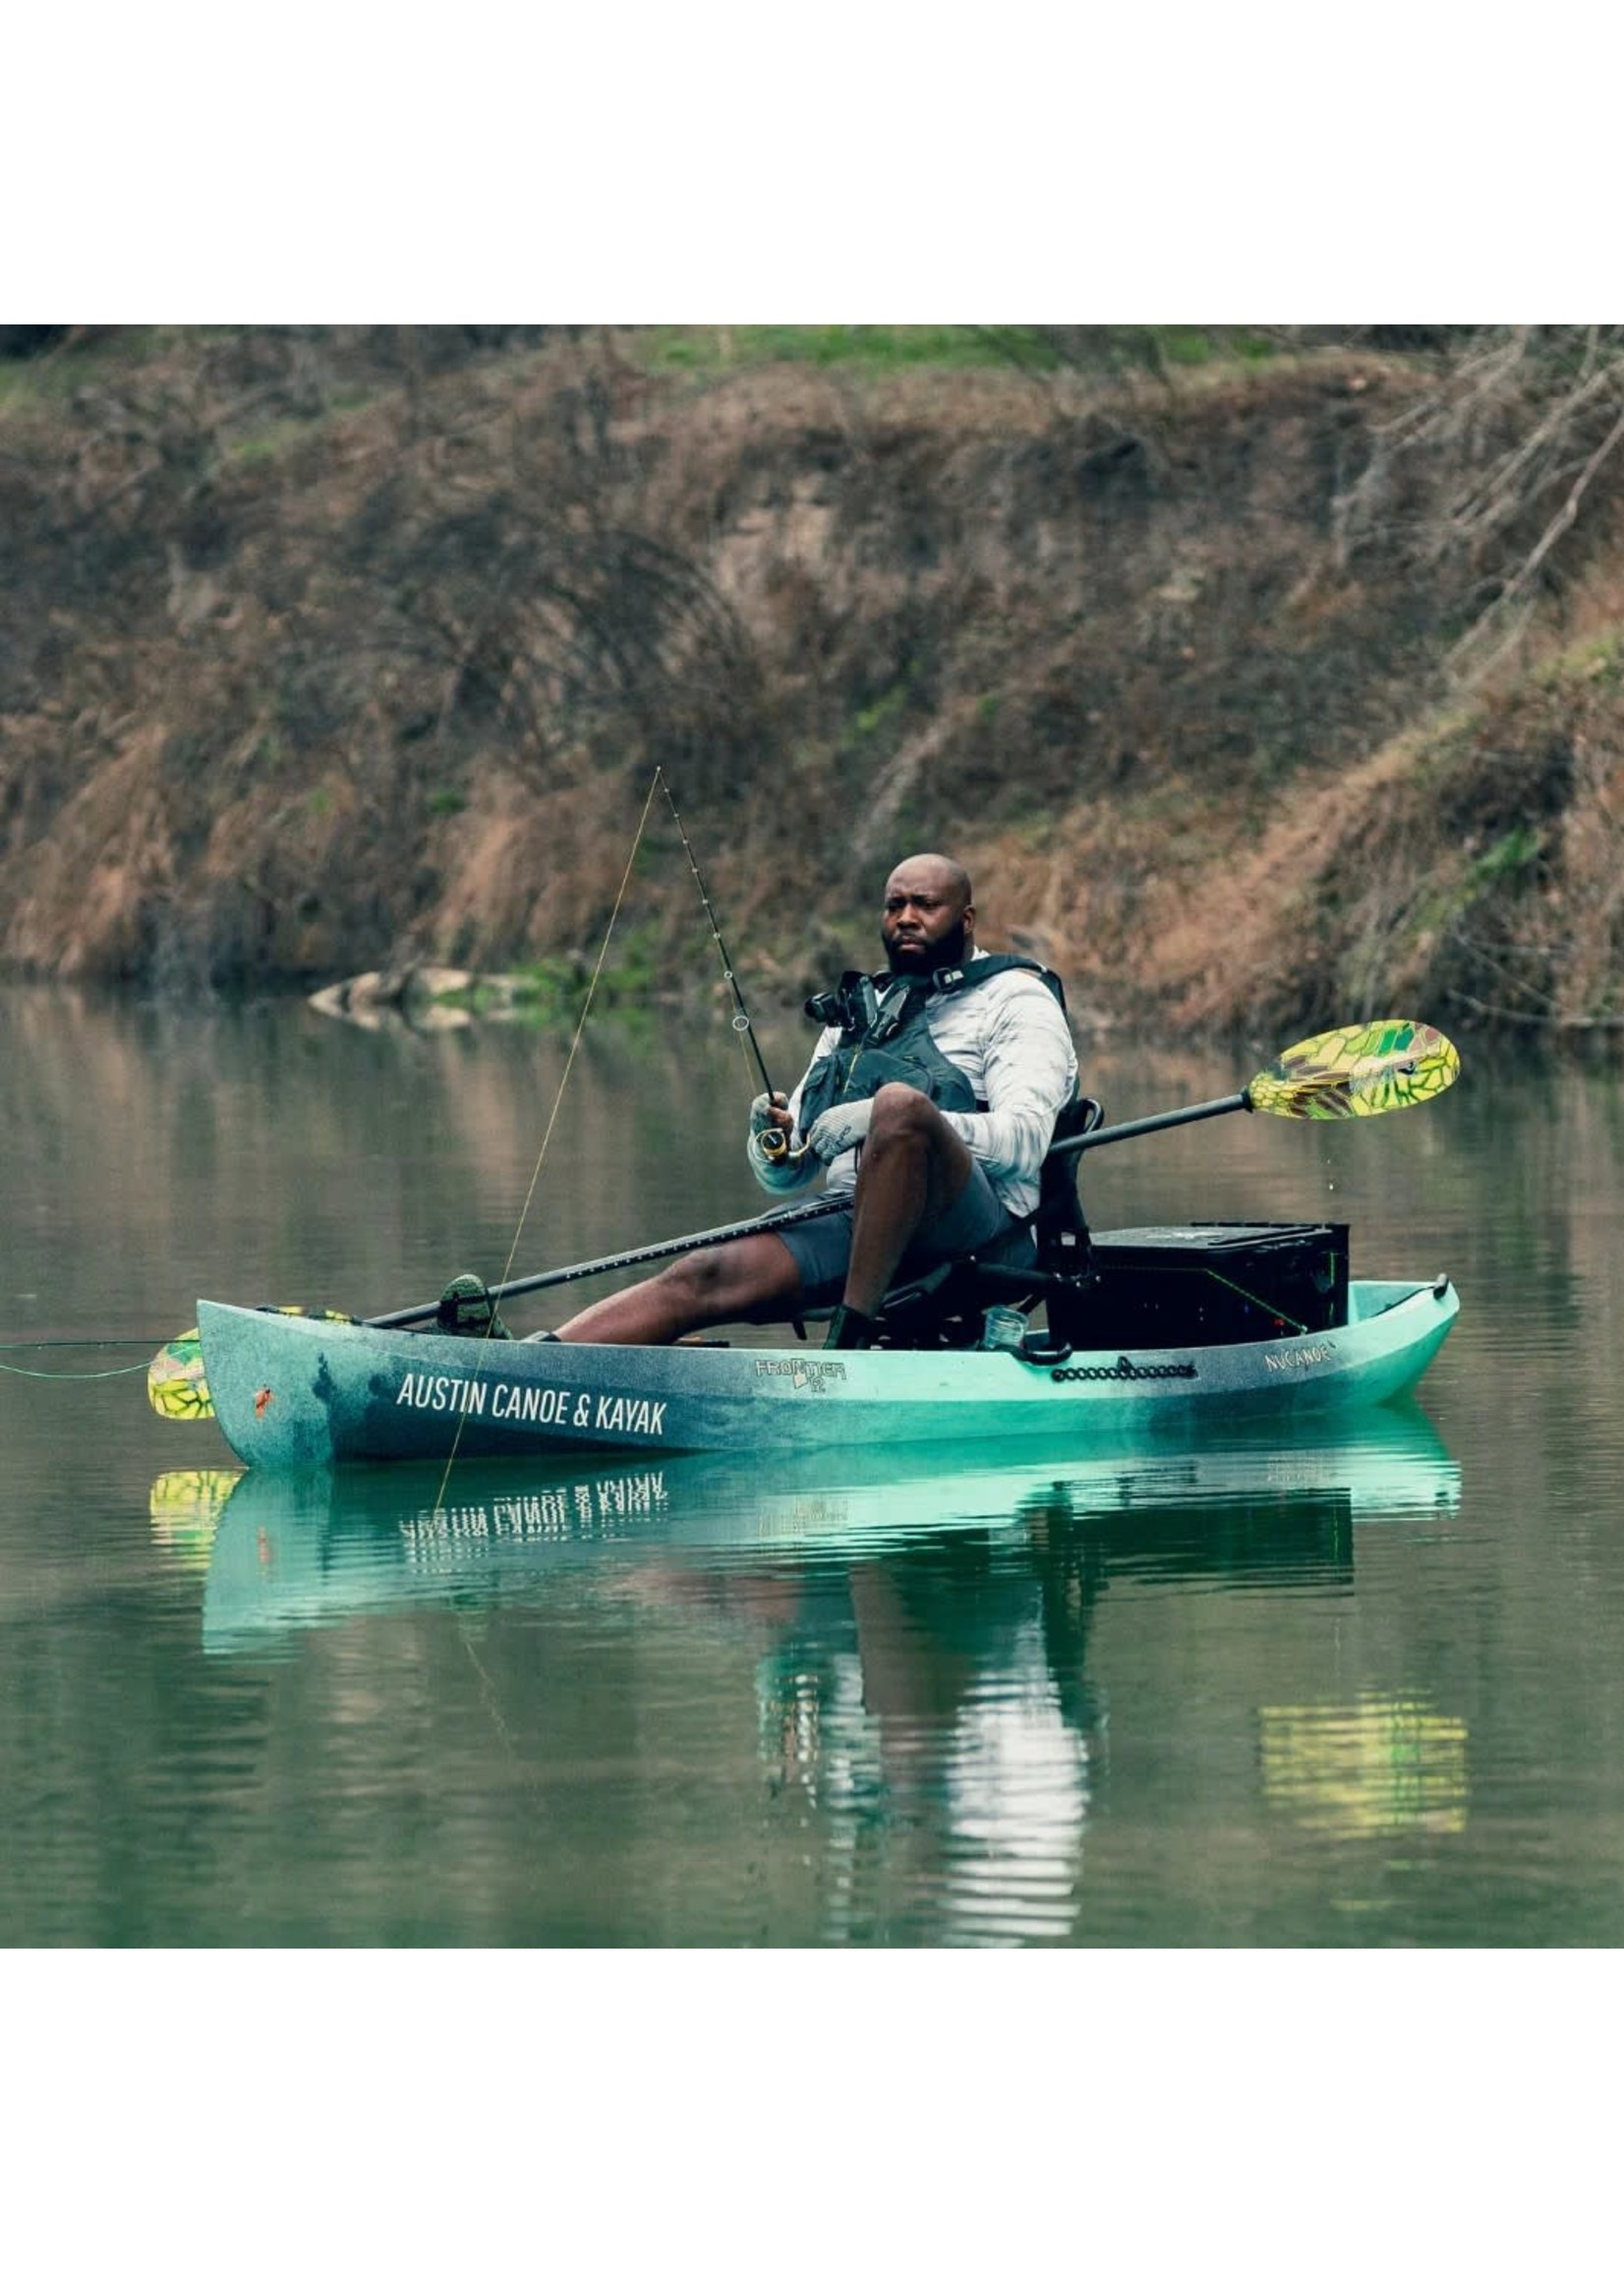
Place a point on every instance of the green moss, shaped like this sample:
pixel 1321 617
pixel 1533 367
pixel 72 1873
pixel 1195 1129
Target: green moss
pixel 278 436
pixel 1191 345
pixel 1183 343
pixel 267 442
pixel 708 350
pixel 1599 657
pixel 552 991
pixel 1444 899
pixel 1508 856
pixel 880 715
pixel 55 376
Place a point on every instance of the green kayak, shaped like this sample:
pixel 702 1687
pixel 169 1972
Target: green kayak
pixel 291 1391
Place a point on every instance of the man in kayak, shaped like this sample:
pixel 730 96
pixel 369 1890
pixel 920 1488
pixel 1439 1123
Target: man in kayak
pixel 931 1098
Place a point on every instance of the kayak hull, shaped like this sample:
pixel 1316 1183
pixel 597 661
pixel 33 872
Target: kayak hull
pixel 291 1392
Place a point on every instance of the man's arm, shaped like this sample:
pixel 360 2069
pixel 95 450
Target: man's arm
pixel 1030 1071
pixel 788 1176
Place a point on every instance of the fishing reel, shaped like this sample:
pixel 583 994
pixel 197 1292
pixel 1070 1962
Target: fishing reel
pixel 774 1146
pixel 773 1143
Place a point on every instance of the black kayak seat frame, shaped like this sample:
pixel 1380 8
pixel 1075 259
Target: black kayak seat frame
pixel 943 1308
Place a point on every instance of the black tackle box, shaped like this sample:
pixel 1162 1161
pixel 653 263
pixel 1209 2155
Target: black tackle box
pixel 1164 1286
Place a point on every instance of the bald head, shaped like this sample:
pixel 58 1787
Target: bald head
pixel 935 869
pixel 928 922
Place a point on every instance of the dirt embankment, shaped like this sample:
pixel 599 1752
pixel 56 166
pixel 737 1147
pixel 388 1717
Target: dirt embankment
pixel 315 657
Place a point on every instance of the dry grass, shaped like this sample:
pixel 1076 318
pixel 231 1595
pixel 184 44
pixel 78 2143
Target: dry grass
pixel 317 654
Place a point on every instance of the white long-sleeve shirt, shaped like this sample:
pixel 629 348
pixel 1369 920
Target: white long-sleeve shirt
pixel 1009 1039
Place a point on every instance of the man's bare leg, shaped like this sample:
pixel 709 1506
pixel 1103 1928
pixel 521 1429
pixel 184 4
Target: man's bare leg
pixel 753 1278
pixel 913 1168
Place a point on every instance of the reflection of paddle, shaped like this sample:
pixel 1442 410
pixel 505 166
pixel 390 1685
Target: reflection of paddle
pixel 186 1506
pixel 1350 1074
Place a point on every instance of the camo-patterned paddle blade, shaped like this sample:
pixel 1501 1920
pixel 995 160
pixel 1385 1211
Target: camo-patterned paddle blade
pixel 175 1383
pixel 176 1386
pixel 1356 1072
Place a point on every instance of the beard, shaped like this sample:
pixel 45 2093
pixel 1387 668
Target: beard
pixel 951 949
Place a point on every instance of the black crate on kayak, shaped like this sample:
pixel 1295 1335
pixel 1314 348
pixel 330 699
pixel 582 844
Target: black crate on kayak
pixel 1174 1286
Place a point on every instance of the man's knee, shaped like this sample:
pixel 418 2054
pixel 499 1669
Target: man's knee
pixel 734 1277
pixel 903 1116
pixel 696 1278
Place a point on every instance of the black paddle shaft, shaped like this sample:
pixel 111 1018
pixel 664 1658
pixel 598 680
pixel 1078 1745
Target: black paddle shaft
pixel 1241 1102
pixel 826 1205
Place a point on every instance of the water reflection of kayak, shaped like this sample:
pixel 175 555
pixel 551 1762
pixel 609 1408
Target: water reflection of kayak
pixel 296 1549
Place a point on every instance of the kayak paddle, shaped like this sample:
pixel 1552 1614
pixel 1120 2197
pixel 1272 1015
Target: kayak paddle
pixel 1350 1074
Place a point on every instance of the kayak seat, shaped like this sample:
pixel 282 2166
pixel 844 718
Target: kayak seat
pixel 943 1308
pixel 1065 1251
pixel 1062 1228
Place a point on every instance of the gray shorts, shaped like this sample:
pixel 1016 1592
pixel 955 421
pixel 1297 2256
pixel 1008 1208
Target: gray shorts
pixel 977 1224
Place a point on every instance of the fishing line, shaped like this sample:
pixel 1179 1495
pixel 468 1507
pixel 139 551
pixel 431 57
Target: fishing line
pixel 57 1374
pixel 546 1134
pixel 78 1342
pixel 73 1342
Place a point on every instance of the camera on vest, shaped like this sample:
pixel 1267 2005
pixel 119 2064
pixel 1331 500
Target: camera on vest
pixel 852 1006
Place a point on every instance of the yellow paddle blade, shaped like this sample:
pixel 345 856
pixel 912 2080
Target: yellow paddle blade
pixel 176 1386
pixel 1356 1072
pixel 175 1383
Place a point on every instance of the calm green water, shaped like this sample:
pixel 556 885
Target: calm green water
pixel 1346 1691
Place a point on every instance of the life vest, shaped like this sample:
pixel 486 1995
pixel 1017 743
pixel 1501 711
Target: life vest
pixel 888 1037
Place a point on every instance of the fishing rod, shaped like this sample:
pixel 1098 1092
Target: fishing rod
pixel 774 1142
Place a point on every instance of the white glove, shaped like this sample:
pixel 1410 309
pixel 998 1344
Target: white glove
pixel 761 1115
pixel 840 1128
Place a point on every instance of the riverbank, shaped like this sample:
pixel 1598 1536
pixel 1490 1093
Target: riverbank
pixel 326 653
